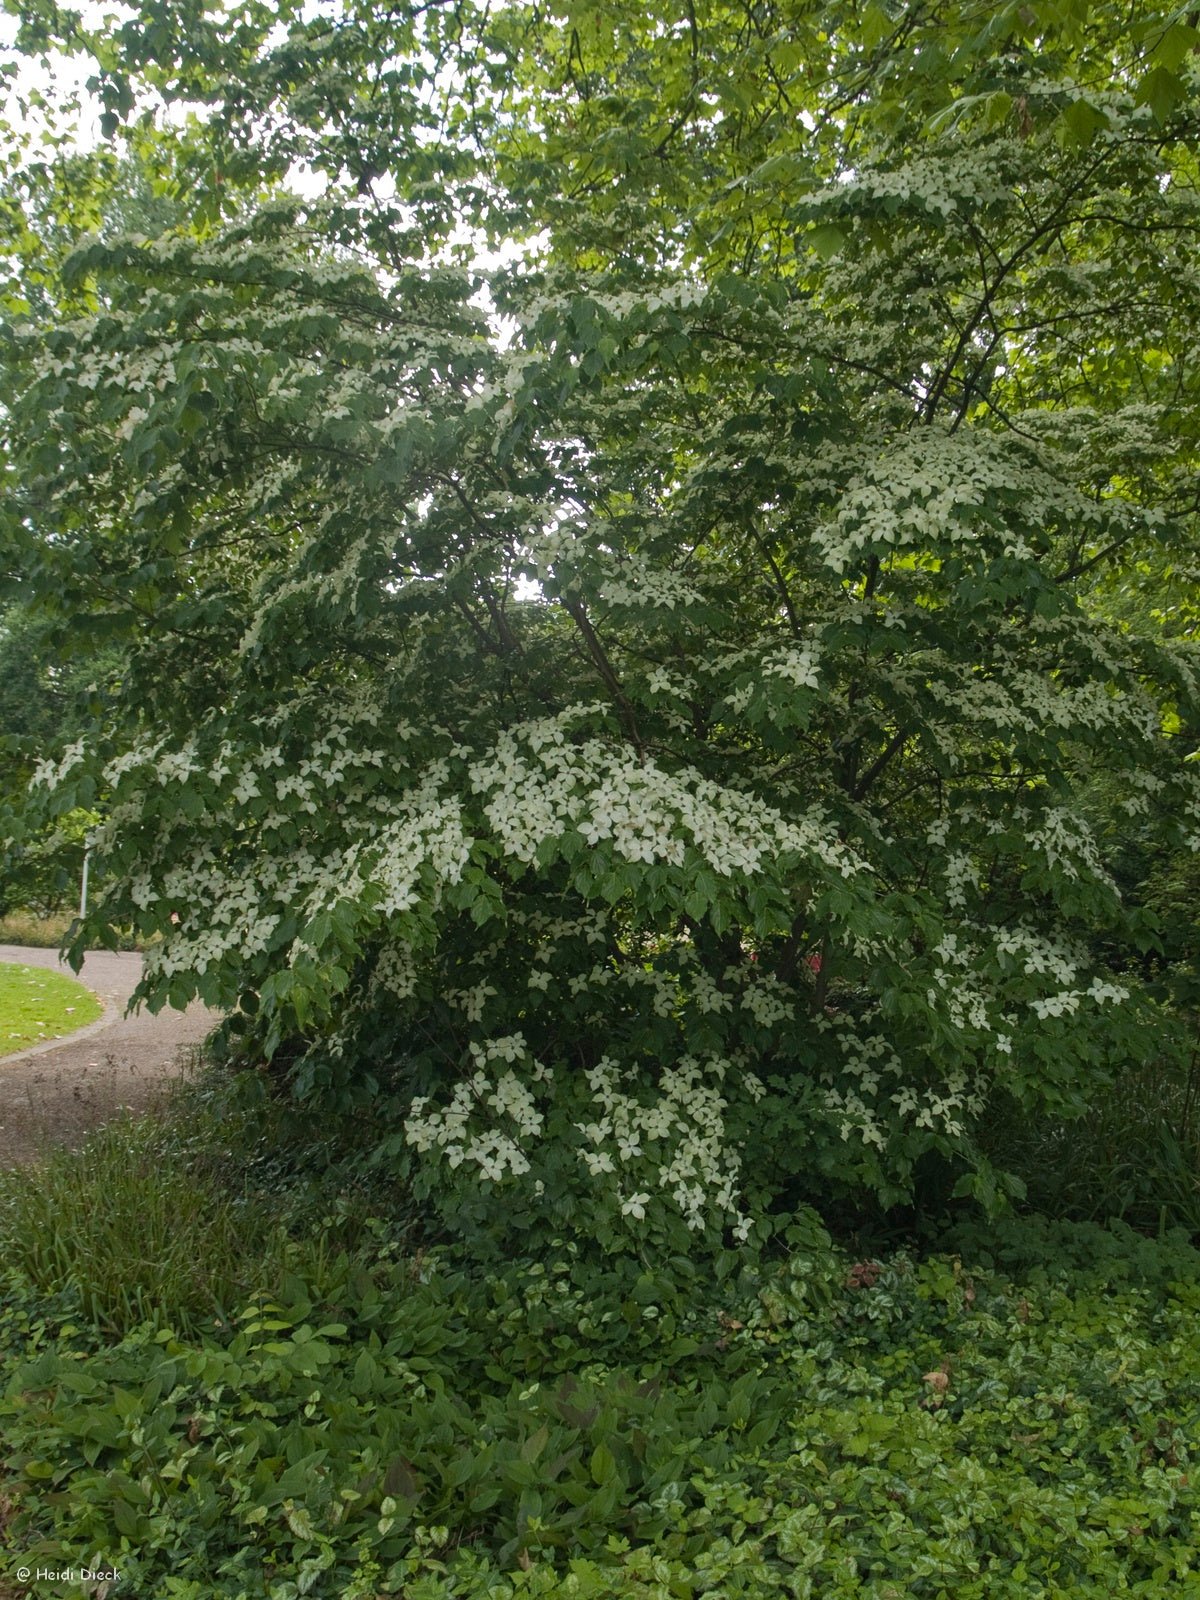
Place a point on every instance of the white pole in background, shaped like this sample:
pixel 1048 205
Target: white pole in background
pixel 83 886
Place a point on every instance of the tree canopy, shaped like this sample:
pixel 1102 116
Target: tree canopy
pixel 692 681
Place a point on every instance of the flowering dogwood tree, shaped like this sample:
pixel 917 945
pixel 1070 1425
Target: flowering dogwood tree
pixel 638 712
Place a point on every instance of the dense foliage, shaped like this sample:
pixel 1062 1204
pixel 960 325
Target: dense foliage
pixel 700 676
pixel 812 1425
pixel 46 698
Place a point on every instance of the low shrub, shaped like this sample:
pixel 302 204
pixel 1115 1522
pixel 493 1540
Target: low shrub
pixel 32 929
pixel 226 1379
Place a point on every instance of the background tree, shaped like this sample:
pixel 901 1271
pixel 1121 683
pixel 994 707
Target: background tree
pixel 684 715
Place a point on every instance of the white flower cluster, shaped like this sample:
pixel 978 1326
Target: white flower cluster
pixel 959 873
pixel 672 1134
pixel 395 972
pixel 1140 791
pixel 681 1133
pixel 1191 813
pixel 662 680
pixel 957 990
pixel 1092 705
pixel 49 774
pixel 940 183
pixel 227 908
pixel 177 766
pixel 433 835
pixel 928 486
pixel 472 1002
pixel 537 785
pixel 795 664
pixel 641 583
pixel 867 1104
pixel 765 997
pixel 497 1149
pixel 1037 953
pixel 1066 1003
pixel 707 996
pixel 855 1116
pixel 1067 842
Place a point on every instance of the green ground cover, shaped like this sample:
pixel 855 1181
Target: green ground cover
pixel 36 1004
pixel 1012 1414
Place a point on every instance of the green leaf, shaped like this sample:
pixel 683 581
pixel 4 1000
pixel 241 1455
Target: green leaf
pixel 1175 45
pixel 1162 90
pixel 827 239
pixel 1080 122
pixel 602 1465
pixel 532 1447
pixel 127 1521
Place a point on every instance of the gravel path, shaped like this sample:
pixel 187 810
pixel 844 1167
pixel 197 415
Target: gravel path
pixel 56 1091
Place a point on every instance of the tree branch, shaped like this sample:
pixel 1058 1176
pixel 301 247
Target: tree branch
pixel 575 610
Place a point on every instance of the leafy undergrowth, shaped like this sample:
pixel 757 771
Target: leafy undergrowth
pixel 407 1425
pixel 36 1004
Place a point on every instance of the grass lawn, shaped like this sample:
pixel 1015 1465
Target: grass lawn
pixel 36 1004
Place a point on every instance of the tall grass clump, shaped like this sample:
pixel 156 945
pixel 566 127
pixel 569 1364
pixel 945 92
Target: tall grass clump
pixel 38 930
pixel 1133 1156
pixel 139 1235
pixel 34 929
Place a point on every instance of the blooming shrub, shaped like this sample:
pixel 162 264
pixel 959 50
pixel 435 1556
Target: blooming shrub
pixel 653 749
